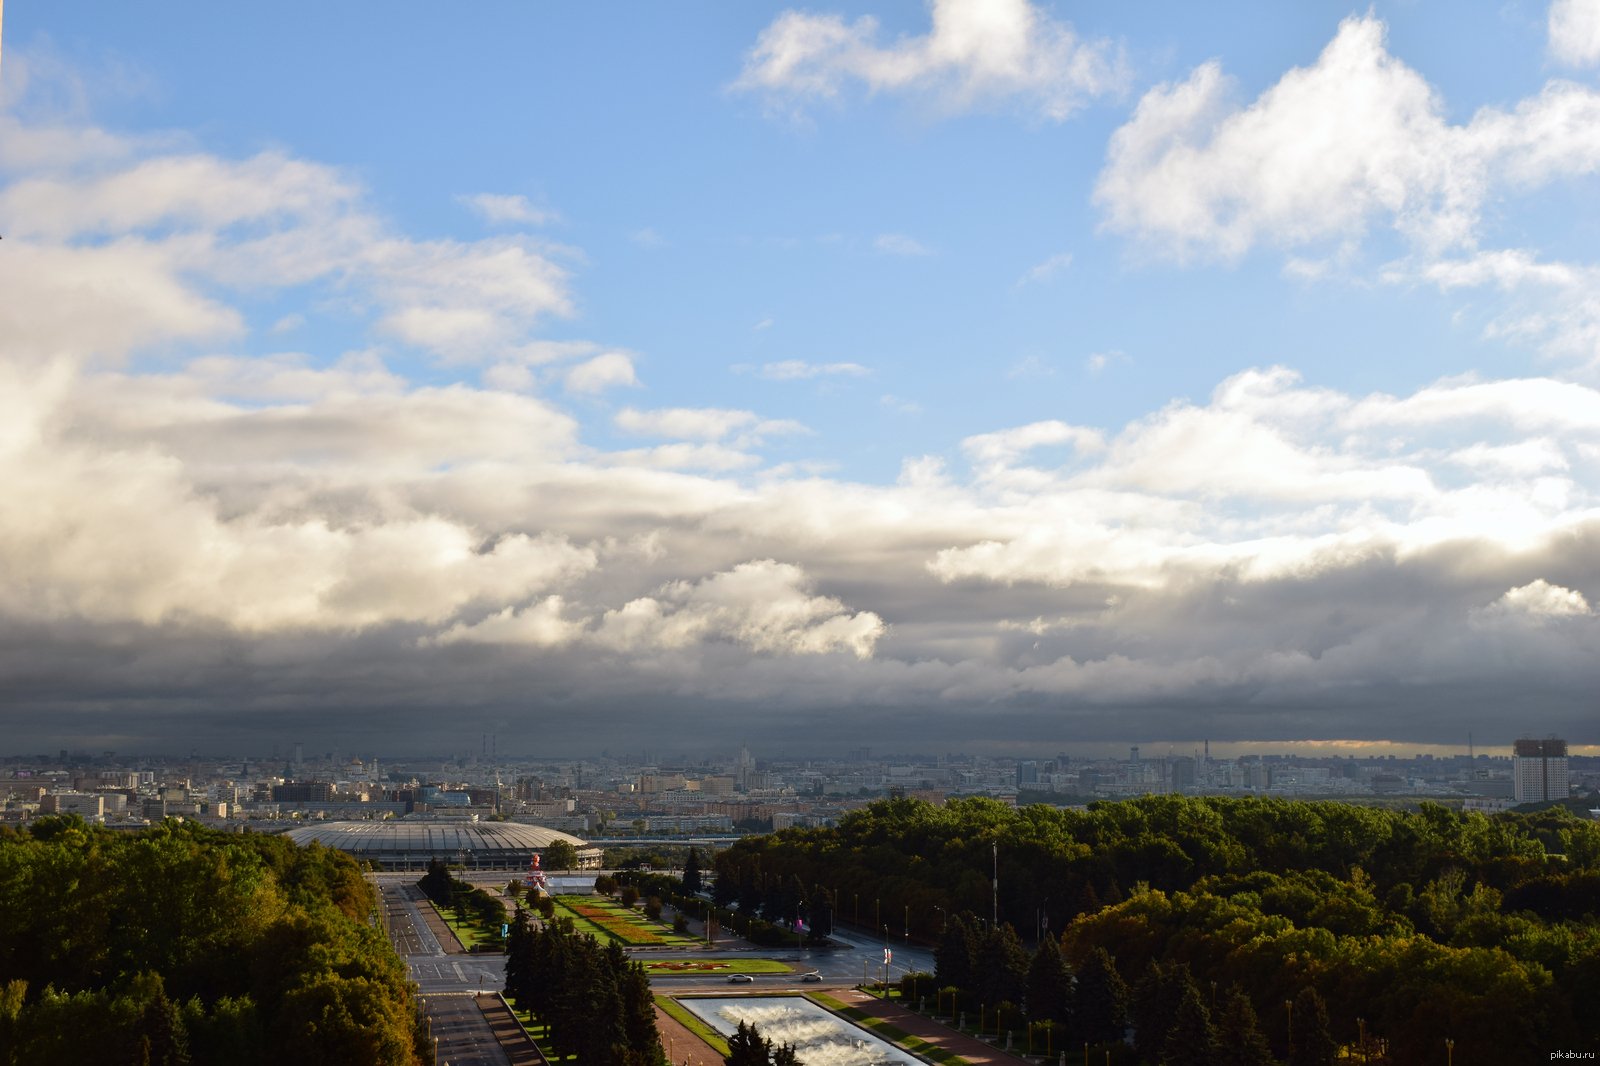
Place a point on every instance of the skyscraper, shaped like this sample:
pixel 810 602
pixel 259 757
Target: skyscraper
pixel 1539 770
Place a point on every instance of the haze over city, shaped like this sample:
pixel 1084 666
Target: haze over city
pixel 998 378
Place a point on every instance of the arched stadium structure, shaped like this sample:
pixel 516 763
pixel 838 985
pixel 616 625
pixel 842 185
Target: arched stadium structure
pixel 405 845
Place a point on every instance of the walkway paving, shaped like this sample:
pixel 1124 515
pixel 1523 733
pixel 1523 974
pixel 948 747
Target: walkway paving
pixel 514 1039
pixel 443 935
pixel 970 1048
pixel 683 1047
pixel 464 1036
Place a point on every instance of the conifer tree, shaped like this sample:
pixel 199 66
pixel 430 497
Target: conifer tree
pixel 819 913
pixel 952 960
pixel 1192 1039
pixel 1102 999
pixel 519 959
pixel 158 1034
pixel 1155 1003
pixel 1240 1041
pixel 1049 985
pixel 746 1048
pixel 1002 967
pixel 749 893
pixel 1088 902
pixel 1313 1043
pixel 691 873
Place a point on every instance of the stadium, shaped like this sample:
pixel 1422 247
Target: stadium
pixel 405 845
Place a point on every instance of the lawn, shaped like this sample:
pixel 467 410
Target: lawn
pixel 713 965
pixel 627 927
pixel 470 933
pixel 891 1032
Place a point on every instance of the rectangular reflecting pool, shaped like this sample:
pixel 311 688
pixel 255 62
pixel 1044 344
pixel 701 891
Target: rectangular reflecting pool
pixel 819 1038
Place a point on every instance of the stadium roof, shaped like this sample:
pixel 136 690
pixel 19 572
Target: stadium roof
pixel 493 845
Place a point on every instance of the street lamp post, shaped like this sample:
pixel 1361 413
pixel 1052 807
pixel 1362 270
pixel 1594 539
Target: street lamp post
pixel 1449 1051
pixel 1288 1005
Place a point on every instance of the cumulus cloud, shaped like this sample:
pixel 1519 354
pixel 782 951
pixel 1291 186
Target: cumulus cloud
pixel 1575 32
pixel 977 52
pixel 1356 137
pixel 764 605
pixel 1358 140
pixel 103 258
pixel 1537 602
pixel 602 372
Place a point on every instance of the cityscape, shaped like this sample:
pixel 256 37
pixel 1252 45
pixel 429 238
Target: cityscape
pixel 855 533
pixel 723 794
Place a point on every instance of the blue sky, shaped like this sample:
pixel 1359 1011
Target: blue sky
pixel 1165 298
pixel 695 215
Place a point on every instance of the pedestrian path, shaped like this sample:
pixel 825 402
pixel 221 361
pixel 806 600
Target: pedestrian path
pixel 683 1047
pixel 970 1048
pixel 514 1039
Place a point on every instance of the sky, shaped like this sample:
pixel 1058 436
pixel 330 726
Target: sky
pixel 980 375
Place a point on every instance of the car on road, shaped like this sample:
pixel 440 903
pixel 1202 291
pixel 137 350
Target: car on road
pixel 812 976
pixel 741 978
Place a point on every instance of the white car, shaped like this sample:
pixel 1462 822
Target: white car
pixel 741 978
pixel 813 976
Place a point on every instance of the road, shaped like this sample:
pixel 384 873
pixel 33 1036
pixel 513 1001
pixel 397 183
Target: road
pixel 446 983
pixel 438 974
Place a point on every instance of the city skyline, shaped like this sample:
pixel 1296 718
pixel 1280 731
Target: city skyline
pixel 980 371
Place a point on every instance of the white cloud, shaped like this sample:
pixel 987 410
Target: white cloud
pixel 648 237
pixel 899 244
pixel 799 369
pixel 765 606
pixel 496 208
pixel 1356 137
pixel 1575 32
pixel 601 373
pixel 977 52
pixel 1536 603
pixel 261 223
pixel 701 423
pixel 1047 269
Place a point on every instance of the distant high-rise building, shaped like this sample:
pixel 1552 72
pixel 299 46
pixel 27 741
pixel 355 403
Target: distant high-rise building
pixel 1027 773
pixel 299 754
pixel 1539 770
pixel 1182 772
pixel 859 755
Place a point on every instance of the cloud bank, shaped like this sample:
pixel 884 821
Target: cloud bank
pixel 196 541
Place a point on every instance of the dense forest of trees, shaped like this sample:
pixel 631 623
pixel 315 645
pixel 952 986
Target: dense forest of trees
pixel 182 944
pixel 596 1003
pixel 1167 912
